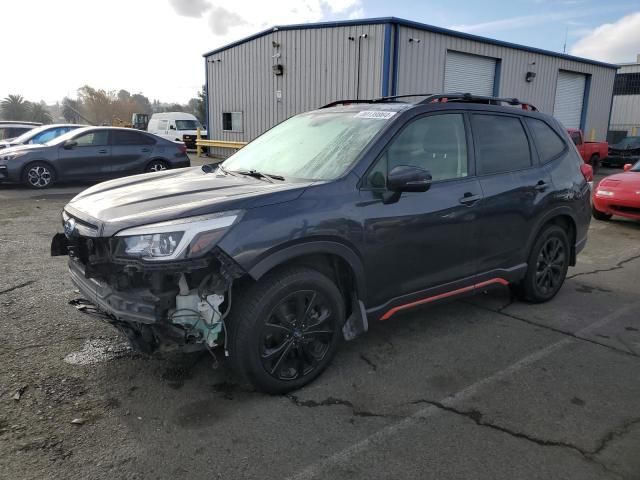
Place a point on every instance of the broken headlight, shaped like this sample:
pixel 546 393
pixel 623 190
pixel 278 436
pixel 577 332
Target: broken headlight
pixel 175 239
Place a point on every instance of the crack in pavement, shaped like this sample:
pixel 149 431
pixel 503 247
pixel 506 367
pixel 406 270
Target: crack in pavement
pixel 617 266
pixel 15 287
pixel 332 401
pixel 500 311
pixel 624 429
pixel 478 418
pixel 368 361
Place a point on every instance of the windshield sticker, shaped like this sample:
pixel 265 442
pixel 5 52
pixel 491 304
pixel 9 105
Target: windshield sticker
pixel 375 114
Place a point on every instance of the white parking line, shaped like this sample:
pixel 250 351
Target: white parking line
pixel 342 457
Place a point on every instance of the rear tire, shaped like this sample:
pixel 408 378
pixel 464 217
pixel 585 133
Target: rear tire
pixel 156 166
pixel 598 215
pixel 547 266
pixel 285 329
pixel 595 162
pixel 38 175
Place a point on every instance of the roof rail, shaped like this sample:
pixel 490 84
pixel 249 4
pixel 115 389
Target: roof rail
pixel 467 97
pixel 442 98
pixel 345 102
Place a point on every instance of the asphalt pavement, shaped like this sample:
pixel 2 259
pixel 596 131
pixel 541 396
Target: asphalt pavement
pixel 480 388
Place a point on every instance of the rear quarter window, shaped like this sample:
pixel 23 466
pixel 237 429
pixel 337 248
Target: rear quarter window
pixel 501 144
pixel 548 143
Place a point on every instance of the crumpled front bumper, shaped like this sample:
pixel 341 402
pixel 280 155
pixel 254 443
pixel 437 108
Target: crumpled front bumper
pixel 136 306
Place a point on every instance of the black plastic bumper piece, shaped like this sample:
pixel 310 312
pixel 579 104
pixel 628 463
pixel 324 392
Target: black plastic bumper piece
pixel 139 307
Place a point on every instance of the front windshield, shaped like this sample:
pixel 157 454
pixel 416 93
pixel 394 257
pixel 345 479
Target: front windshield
pixel 65 137
pixel 629 141
pixel 318 145
pixel 26 136
pixel 187 124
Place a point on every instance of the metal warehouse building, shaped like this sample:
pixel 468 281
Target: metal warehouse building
pixel 261 80
pixel 625 114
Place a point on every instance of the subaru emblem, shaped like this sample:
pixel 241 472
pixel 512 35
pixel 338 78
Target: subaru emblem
pixel 70 227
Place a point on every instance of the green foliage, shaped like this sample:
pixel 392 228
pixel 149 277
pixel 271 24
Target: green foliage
pixel 14 107
pixel 96 107
pixel 38 112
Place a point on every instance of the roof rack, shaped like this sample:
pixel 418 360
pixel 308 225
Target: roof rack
pixel 467 97
pixel 442 98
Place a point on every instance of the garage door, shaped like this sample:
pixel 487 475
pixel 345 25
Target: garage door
pixel 569 97
pixel 469 73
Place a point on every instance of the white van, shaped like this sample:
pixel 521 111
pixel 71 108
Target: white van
pixel 177 126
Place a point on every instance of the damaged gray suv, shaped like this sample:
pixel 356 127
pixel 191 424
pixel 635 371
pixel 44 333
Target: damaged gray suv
pixel 334 218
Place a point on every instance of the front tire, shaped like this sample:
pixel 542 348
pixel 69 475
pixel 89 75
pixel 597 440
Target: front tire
pixel 547 266
pixel 598 215
pixel 285 329
pixel 595 163
pixel 38 175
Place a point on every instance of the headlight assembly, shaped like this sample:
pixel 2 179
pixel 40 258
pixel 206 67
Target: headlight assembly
pixel 175 239
pixel 604 193
pixel 11 156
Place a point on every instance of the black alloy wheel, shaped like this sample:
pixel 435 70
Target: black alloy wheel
pixel 550 265
pixel 297 335
pixel 285 329
pixel 546 267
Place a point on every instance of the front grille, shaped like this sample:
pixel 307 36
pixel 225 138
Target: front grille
pixel 625 209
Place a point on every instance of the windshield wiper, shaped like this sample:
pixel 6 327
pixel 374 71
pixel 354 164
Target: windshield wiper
pixel 224 170
pixel 256 174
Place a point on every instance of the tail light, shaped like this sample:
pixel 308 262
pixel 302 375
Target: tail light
pixel 182 148
pixel 587 172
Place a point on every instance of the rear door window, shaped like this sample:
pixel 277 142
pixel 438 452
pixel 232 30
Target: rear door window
pixel 548 143
pixel 501 144
pixel 121 137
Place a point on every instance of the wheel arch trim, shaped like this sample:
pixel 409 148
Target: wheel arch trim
pixel 292 252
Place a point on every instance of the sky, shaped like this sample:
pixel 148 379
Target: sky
pixel 155 46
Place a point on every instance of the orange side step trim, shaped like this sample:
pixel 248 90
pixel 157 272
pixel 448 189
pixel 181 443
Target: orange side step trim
pixel 440 296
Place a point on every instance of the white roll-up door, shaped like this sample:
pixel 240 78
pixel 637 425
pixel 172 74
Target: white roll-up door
pixel 569 97
pixel 465 73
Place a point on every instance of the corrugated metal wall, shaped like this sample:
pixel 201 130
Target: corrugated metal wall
pixel 320 65
pixel 625 113
pixel 421 69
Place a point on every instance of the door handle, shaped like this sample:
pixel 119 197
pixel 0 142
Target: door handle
pixel 469 198
pixel 104 150
pixel 541 186
pixel 146 150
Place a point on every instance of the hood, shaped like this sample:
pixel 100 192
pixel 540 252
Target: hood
pixel 22 148
pixel 172 194
pixel 624 180
pixel 624 148
pixel 5 144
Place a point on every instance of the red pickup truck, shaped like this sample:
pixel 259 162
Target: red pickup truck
pixel 592 153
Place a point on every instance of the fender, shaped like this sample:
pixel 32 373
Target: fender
pixel 313 247
pixel 561 210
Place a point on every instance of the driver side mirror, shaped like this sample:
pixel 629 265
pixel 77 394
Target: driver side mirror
pixel 172 127
pixel 69 144
pixel 627 166
pixel 406 178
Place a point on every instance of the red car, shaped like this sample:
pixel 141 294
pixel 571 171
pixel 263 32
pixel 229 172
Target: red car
pixel 618 194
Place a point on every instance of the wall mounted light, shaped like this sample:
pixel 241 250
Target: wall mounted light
pixel 529 77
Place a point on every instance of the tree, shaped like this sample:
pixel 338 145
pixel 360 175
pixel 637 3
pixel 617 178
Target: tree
pixel 38 112
pixel 71 110
pixel 14 107
pixel 197 106
pixel 99 104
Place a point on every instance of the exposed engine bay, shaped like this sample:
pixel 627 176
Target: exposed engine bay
pixel 178 304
